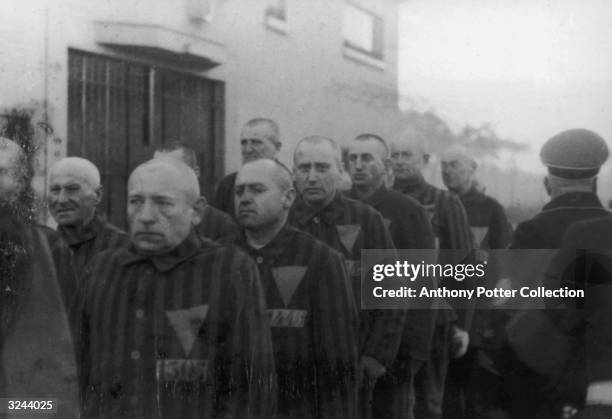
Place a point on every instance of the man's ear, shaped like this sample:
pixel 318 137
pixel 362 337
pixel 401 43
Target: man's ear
pixel 99 192
pixel 426 157
pixel 196 169
pixel 199 207
pixel 547 185
pixel 288 198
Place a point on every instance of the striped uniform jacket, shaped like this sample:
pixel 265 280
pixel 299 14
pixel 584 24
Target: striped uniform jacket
pixel 488 221
pixel 314 325
pixel 224 195
pixel 546 229
pixel 349 226
pixel 410 228
pixel 88 241
pixel 216 224
pixel 180 335
pixel 450 225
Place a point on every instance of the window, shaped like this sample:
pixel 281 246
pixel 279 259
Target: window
pixel 120 111
pixel 363 34
pixel 276 15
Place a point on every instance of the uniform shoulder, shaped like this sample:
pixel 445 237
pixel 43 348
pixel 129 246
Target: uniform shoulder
pixel 399 199
pixel 595 233
pixel 360 207
pixel 318 246
pixel 115 230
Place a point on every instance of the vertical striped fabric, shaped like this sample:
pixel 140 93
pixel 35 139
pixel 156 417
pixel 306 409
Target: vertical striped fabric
pixel 216 224
pixel 224 195
pixel 349 226
pixel 179 335
pixel 314 325
pixel 88 241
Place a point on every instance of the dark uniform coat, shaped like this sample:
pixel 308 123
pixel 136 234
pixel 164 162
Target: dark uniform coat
pixel 487 219
pixel 349 226
pixel 178 335
pixel 224 196
pixel 314 325
pixel 88 241
pixel 216 224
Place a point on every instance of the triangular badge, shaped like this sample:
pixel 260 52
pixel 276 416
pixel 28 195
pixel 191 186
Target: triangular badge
pixel 479 234
pixel 348 234
pixel 186 324
pixel 387 223
pixel 287 279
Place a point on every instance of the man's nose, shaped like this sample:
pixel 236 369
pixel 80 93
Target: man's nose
pixel 62 196
pixel 311 176
pixel 147 213
pixel 358 163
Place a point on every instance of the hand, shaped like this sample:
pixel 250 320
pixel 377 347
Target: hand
pixel 459 342
pixel 370 370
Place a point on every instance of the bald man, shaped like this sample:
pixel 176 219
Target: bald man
pixel 215 223
pixel 310 304
pixel 36 285
pixel 73 196
pixel 173 325
pixel 347 226
pixel 259 138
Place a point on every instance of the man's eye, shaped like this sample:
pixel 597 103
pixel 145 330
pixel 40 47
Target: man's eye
pixel 352 157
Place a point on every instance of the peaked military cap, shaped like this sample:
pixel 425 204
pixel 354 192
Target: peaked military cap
pixel 574 154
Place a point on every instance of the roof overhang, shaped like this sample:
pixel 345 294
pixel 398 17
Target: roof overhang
pixel 161 44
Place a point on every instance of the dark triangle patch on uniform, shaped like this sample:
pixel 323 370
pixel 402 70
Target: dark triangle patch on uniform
pixel 387 223
pixel 348 235
pixel 287 280
pixel 479 234
pixel 186 323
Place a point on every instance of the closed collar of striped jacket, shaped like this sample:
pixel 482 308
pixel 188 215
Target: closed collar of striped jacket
pixel 410 185
pixel 78 235
pixel 378 197
pixel 274 249
pixel 166 261
pixel 302 213
pixel 574 200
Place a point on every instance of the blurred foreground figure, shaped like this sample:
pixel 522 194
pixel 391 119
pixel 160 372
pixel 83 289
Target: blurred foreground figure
pixel 310 303
pixel 215 223
pixel 451 229
pixel 74 194
pixel 573 159
pixel 36 284
pixel 259 138
pixel 171 326
pixel 347 226
pixel 410 228
pixel 474 384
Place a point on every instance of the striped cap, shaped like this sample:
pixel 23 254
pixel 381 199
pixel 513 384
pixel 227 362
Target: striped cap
pixel 574 154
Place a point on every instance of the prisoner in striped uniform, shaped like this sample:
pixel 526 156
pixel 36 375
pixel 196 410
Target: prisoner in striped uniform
pixel 347 226
pixel 74 193
pixel 451 229
pixel 410 228
pixel 474 385
pixel 259 138
pixel 309 300
pixel 173 326
pixel 37 354
pixel 215 223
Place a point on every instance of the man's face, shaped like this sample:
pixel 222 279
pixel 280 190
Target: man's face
pixel 72 200
pixel 259 200
pixel 255 143
pixel 408 161
pixel 10 183
pixel 456 174
pixel 316 172
pixel 160 212
pixel 365 162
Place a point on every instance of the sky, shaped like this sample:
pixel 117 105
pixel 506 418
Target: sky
pixel 531 68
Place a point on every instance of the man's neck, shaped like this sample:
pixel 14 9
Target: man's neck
pixel 462 189
pixel 260 237
pixel 318 206
pixel 81 225
pixel 364 192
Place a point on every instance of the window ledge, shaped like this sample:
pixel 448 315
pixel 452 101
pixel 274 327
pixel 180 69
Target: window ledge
pixel 276 24
pixel 362 58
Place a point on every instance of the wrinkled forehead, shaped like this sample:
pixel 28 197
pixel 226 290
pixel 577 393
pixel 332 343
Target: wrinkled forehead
pixel 258 132
pixel 408 147
pixel 319 152
pixel 458 158
pixel 157 181
pixel 367 146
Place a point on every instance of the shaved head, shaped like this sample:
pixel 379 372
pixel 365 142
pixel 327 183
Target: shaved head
pixel 171 171
pixel 79 168
pixel 277 171
pixel 318 140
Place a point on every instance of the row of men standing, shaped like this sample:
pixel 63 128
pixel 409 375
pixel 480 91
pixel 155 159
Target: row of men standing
pixel 155 338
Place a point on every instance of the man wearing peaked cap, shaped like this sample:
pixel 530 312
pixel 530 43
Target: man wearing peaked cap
pixel 573 159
